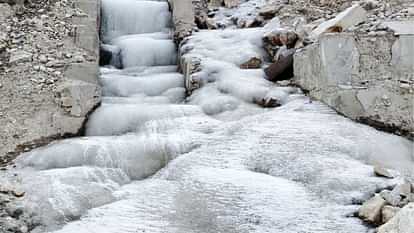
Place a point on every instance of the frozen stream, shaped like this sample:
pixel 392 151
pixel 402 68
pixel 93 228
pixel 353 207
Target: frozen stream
pixel 156 161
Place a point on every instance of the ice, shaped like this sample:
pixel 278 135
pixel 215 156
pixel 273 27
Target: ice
pixel 123 17
pixel 233 46
pixel 57 196
pixel 151 85
pixel 138 156
pixel 146 51
pixel 120 119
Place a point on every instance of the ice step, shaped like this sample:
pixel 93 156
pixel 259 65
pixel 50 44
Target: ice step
pixel 138 156
pixel 114 119
pixel 124 17
pixel 140 70
pixel 173 95
pixel 146 51
pixel 150 85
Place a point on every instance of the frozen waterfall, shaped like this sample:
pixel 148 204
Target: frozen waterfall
pixel 156 160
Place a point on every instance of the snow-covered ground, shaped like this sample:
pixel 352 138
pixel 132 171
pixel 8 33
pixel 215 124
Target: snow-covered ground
pixel 217 162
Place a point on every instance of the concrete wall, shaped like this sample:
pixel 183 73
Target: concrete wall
pixel 48 72
pixel 369 78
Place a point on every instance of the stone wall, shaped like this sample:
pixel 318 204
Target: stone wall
pixel 48 72
pixel 183 18
pixel 366 77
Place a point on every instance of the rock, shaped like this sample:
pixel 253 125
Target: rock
pixel 252 63
pixel 410 11
pixel 370 211
pixel 110 55
pixel 78 97
pixel 402 222
pixel 43 59
pixel 281 37
pixel 269 11
pixel 20 56
pixel 350 17
pixel 388 212
pixel 400 27
pixel 5 11
pixel 231 3
pixel 383 172
pixel 403 189
pixel 211 24
pixel 18 193
pixel 370 4
pixel 282 69
pixel 14 211
pixel 392 197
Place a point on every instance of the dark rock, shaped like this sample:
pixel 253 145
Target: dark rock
pixel 282 69
pixel 110 55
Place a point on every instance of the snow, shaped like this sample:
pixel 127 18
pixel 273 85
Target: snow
pixel 214 162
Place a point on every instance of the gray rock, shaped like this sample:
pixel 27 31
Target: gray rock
pixel 392 197
pixel 401 223
pixel 14 211
pixel 370 211
pixel 382 172
pixel 388 212
pixel 5 11
pixel 20 56
pixel 403 189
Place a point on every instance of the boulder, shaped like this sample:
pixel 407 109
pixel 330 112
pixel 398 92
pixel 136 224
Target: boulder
pixel 282 68
pixel 344 20
pixel 270 11
pixel 388 212
pixel 370 211
pixel 402 222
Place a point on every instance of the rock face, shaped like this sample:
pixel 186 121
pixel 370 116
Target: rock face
pixel 48 70
pixel 401 223
pixel 364 76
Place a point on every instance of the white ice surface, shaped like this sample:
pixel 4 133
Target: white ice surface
pixel 123 17
pixel 146 51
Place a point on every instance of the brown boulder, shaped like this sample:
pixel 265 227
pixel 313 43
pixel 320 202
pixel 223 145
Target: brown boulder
pixel 282 69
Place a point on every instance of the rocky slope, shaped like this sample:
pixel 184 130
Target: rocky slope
pixel 48 72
